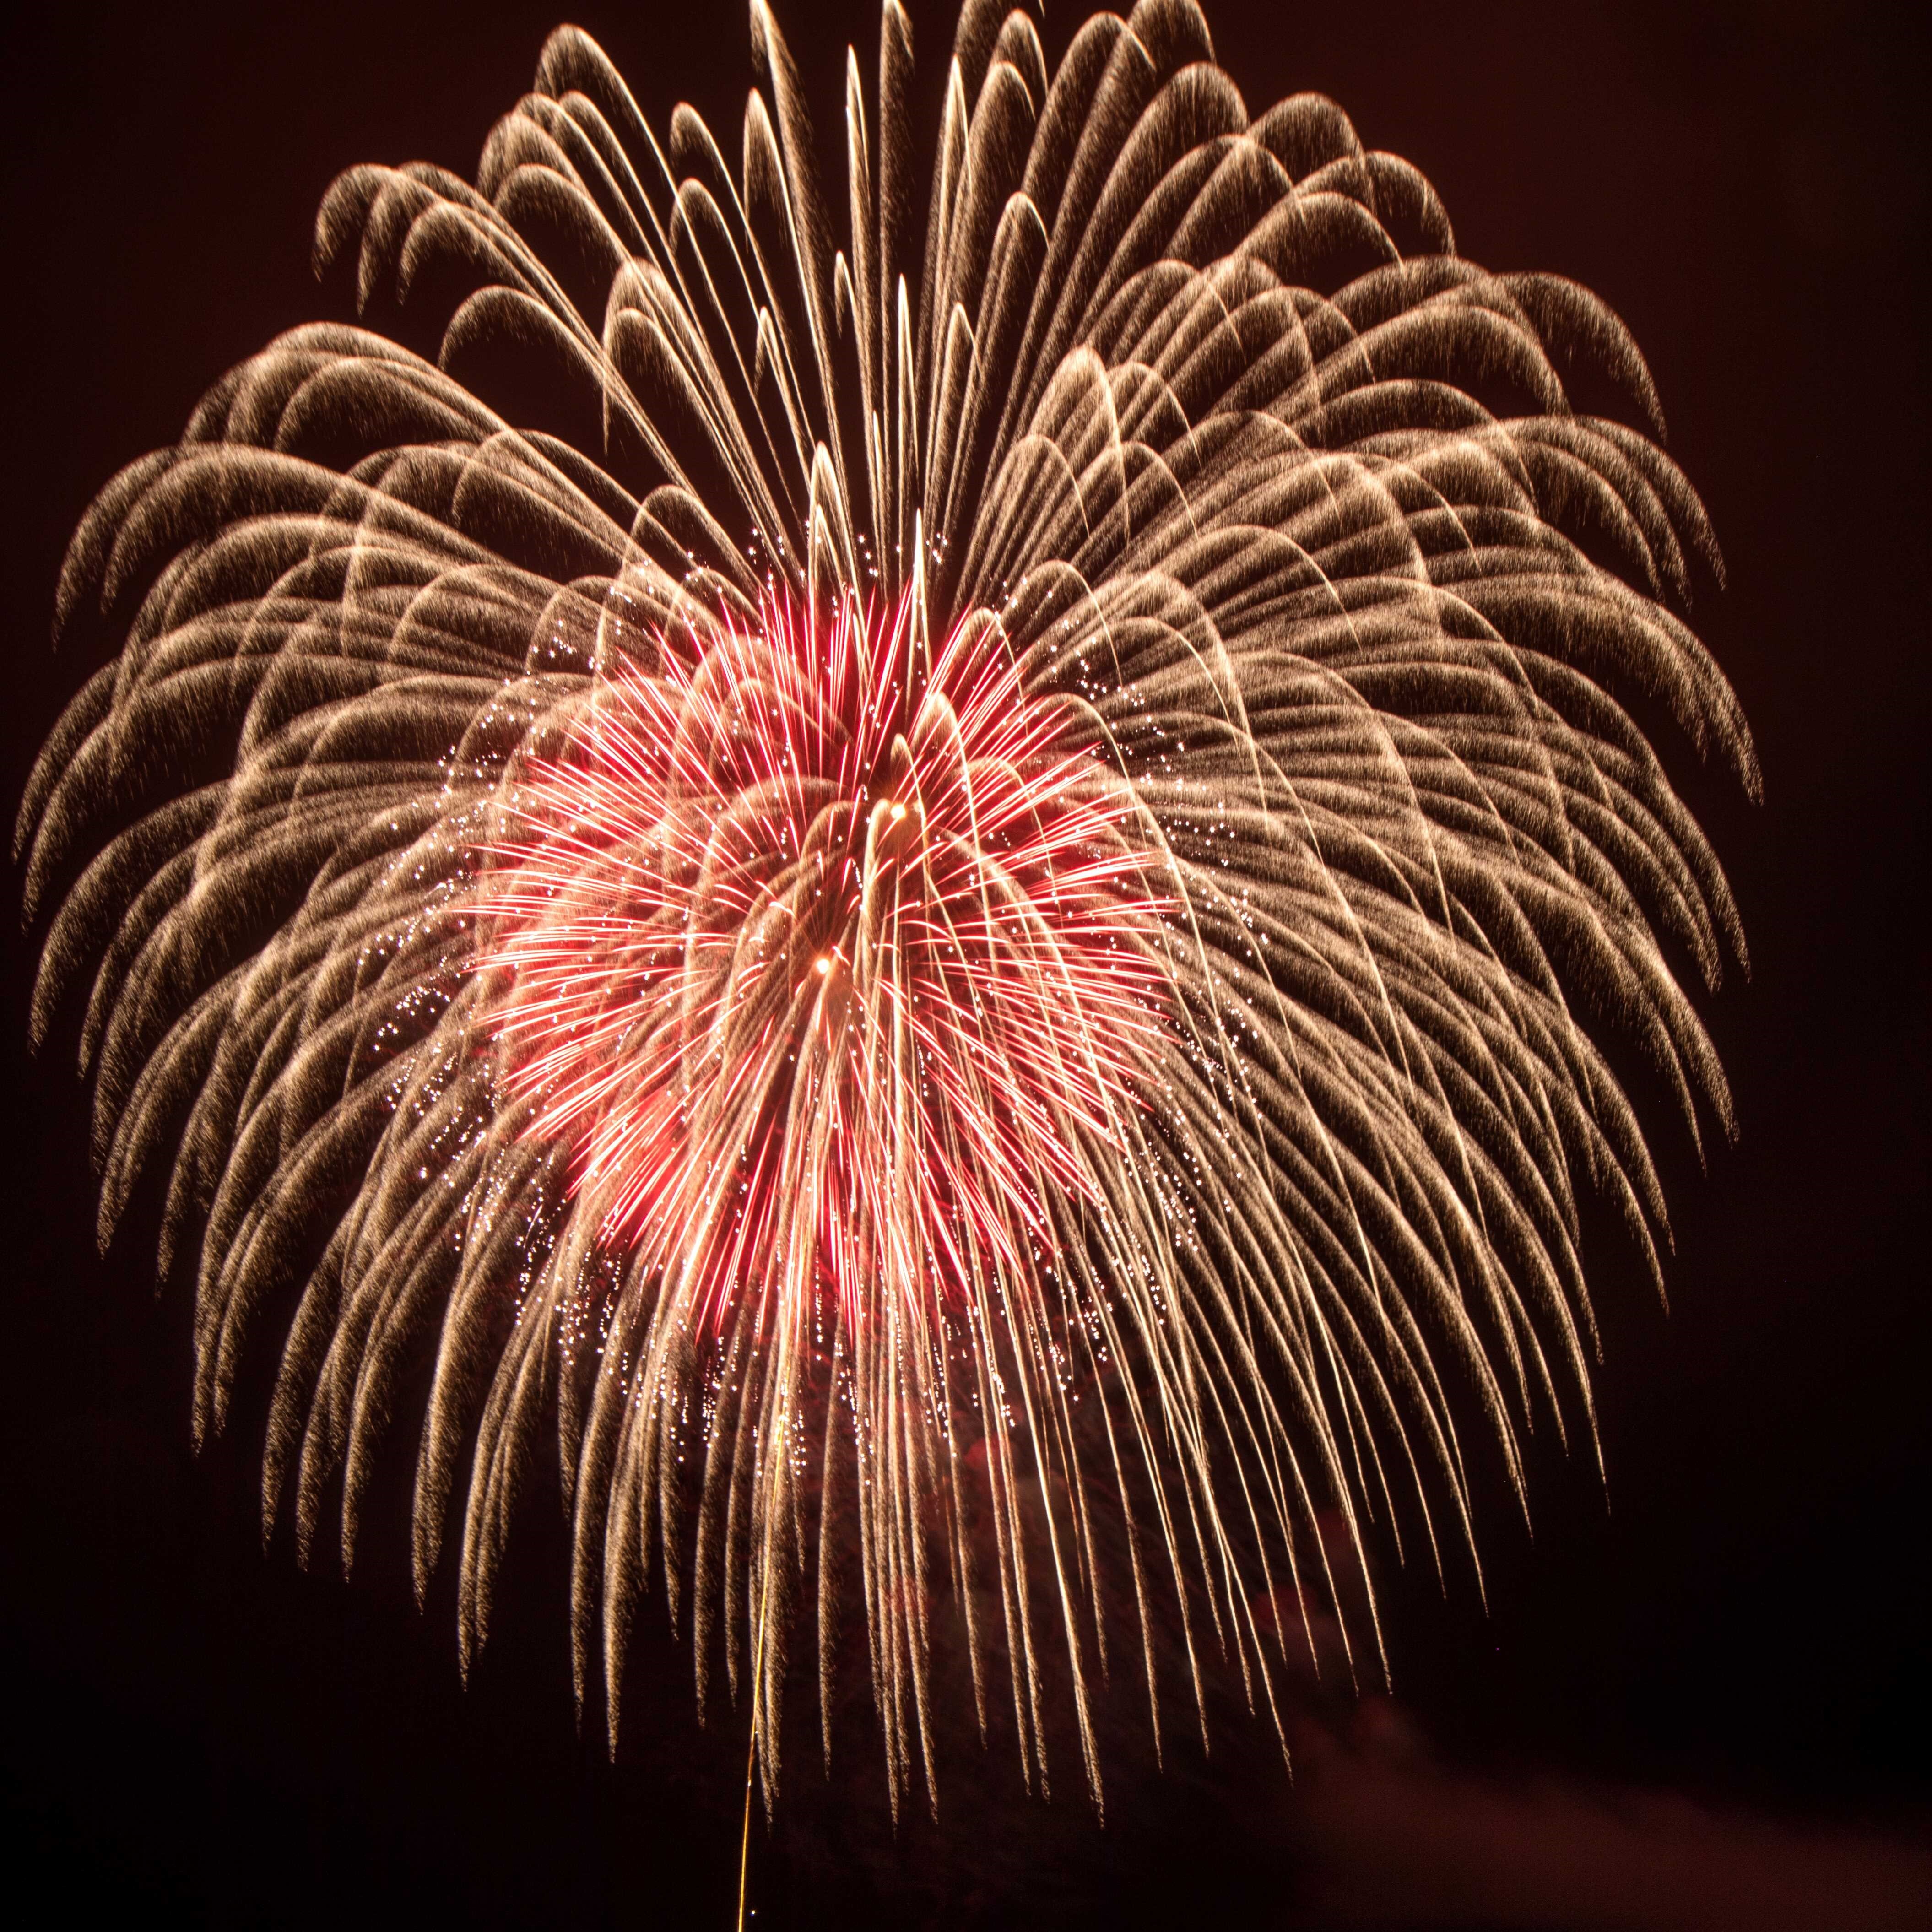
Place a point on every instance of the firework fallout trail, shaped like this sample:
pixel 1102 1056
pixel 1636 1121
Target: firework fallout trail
pixel 953 910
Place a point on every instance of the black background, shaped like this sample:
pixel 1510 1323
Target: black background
pixel 197 1728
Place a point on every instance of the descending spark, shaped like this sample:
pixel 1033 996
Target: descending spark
pixel 960 905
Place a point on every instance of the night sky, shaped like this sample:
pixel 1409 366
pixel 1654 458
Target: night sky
pixel 1725 1657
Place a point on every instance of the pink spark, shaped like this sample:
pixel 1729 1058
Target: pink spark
pixel 825 937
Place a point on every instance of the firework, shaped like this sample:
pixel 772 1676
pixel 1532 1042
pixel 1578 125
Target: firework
pixel 958 902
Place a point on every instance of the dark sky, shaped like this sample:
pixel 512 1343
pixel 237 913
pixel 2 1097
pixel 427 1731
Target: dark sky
pixel 198 1730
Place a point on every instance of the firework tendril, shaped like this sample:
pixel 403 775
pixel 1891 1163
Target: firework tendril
pixel 955 903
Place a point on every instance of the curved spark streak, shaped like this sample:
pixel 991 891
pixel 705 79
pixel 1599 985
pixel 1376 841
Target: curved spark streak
pixel 960 900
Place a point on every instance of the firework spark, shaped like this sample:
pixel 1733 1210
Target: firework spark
pixel 974 897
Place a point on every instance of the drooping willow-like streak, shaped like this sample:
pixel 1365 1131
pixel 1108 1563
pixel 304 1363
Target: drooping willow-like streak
pixel 958 886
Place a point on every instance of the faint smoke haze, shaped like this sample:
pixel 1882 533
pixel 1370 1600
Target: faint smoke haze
pixel 1394 1840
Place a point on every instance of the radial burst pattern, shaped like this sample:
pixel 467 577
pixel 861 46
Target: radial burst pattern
pixel 819 956
pixel 949 904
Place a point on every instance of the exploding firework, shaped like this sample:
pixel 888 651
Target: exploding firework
pixel 955 898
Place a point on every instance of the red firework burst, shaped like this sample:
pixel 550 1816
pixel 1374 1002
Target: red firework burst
pixel 829 956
